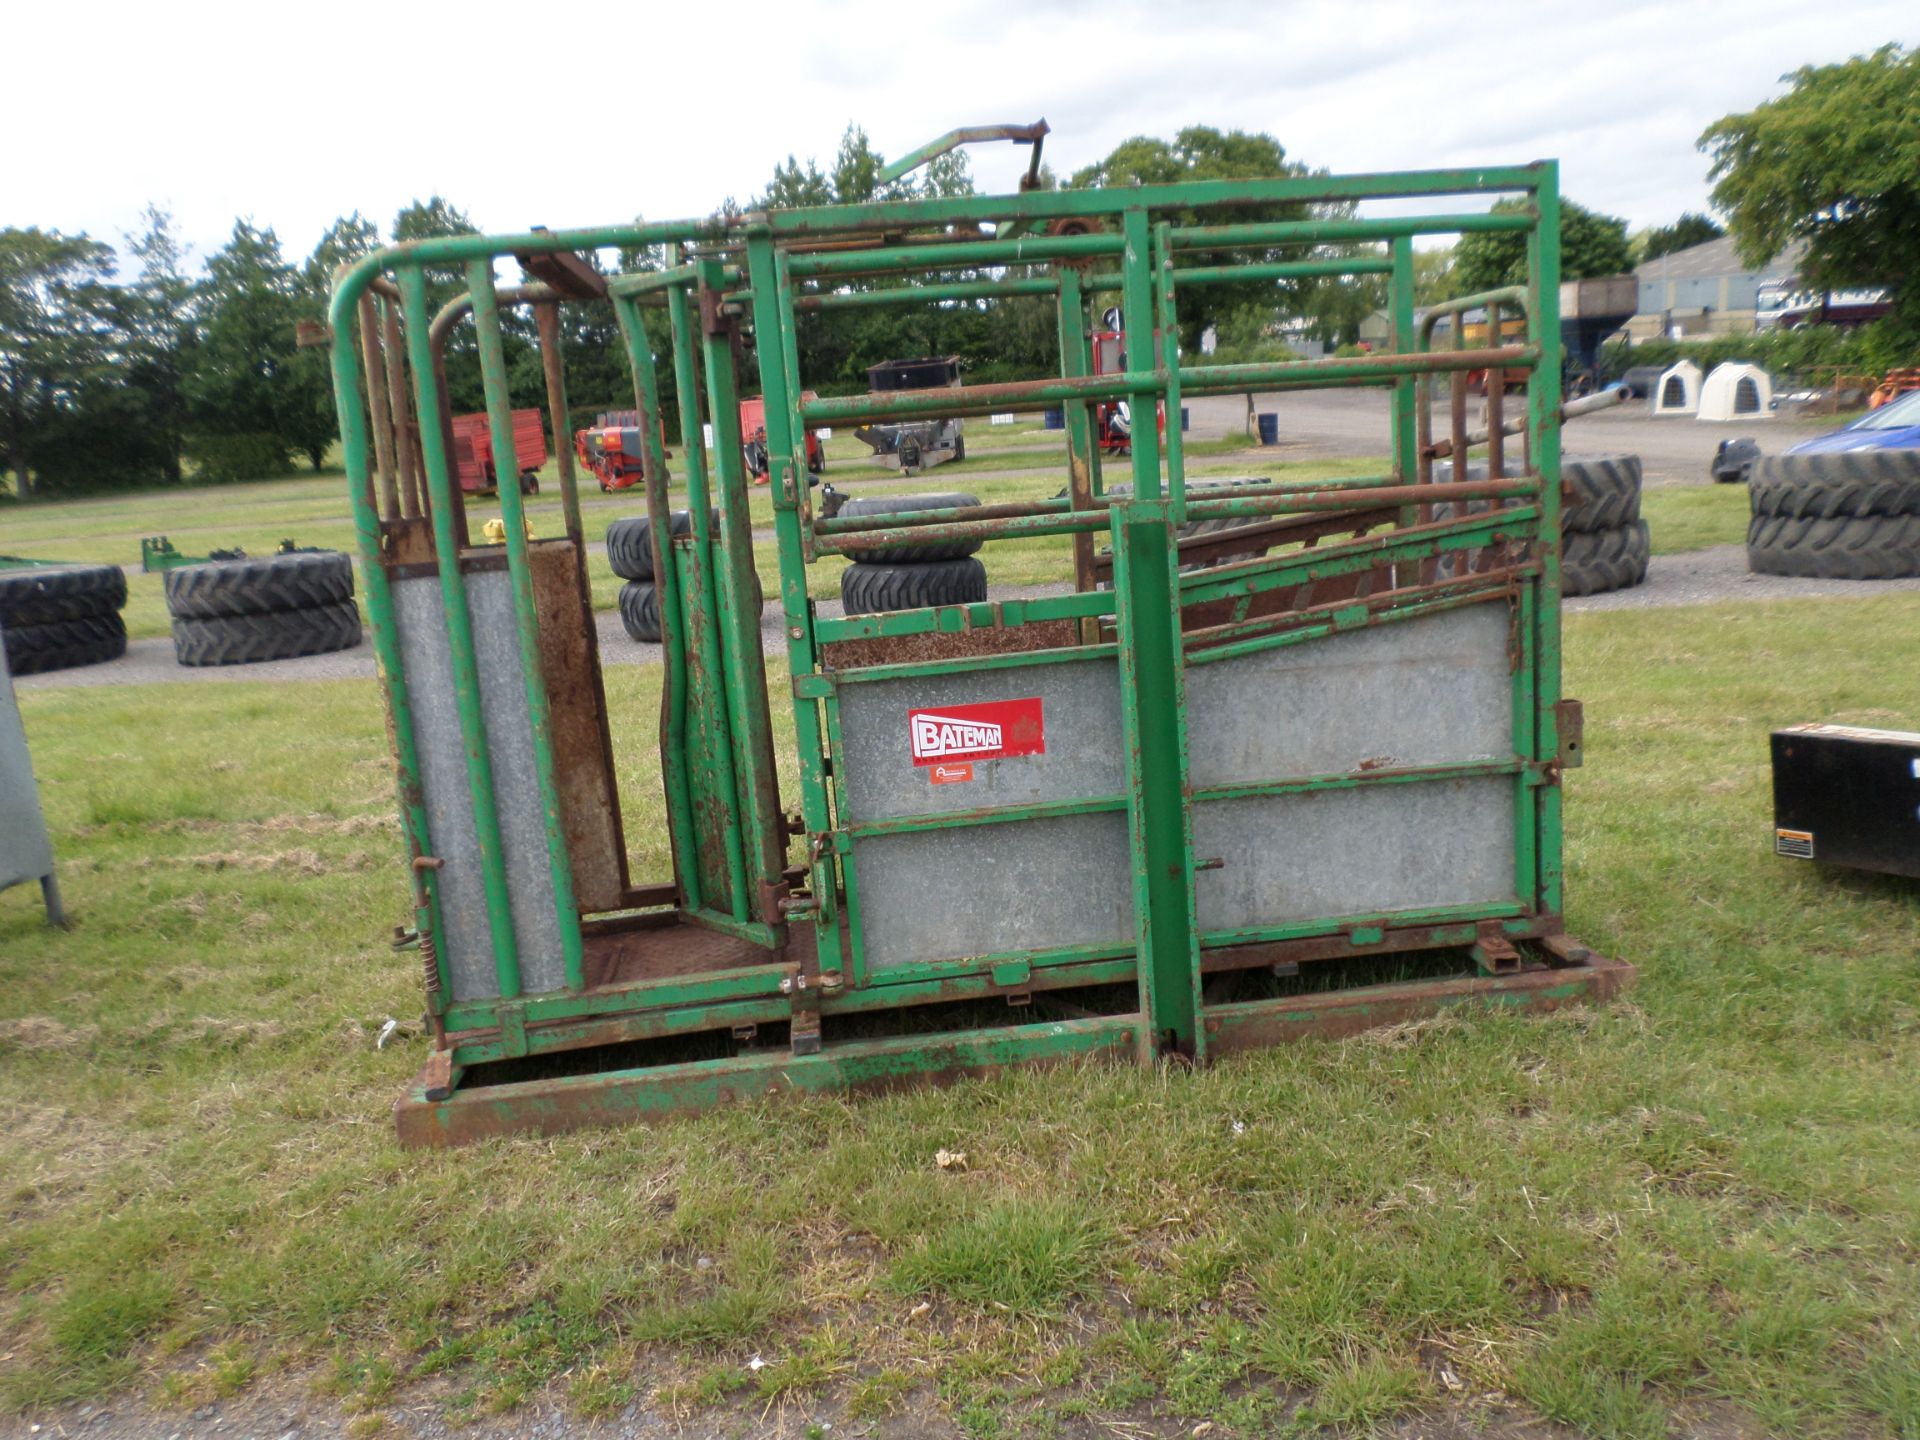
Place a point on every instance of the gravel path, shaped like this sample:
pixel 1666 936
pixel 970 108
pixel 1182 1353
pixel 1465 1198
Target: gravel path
pixel 1702 577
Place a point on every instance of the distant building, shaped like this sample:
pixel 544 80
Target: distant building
pixel 1705 290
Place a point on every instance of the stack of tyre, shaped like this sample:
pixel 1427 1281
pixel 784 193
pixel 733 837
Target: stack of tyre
pixel 57 617
pixel 274 607
pixel 912 577
pixel 1836 515
pixel 1604 544
pixel 630 553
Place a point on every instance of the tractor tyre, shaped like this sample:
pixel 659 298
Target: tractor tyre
pixel 1836 484
pixel 869 589
pixel 630 542
pixel 1844 547
pixel 63 644
pixel 42 595
pixel 272 635
pixel 268 585
pixel 1593 562
pixel 906 504
pixel 640 611
pixel 1605 492
pixel 959 447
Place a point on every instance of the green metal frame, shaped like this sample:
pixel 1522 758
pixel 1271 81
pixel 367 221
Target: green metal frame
pixel 729 830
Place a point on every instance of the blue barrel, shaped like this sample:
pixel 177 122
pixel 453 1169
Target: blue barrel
pixel 1052 420
pixel 1269 427
pixel 1186 419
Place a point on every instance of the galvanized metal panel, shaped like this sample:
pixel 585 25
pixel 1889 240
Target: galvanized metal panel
pixel 1433 690
pixel 1084 758
pixel 25 853
pixel 930 895
pixel 467 941
pixel 1370 850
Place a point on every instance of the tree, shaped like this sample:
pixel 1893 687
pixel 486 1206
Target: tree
pixel 1432 276
pixel 1689 230
pixel 1200 152
pixel 1590 244
pixel 1835 163
pixel 251 405
pixel 58 333
pixel 162 336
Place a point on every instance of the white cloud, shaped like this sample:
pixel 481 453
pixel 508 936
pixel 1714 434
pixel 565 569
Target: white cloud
pixel 293 116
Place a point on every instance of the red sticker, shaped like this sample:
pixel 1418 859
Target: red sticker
pixel 945 772
pixel 996 730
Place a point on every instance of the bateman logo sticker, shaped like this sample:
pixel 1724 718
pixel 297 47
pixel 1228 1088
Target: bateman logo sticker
pixel 997 730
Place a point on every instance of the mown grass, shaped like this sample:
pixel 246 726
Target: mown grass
pixel 1700 1201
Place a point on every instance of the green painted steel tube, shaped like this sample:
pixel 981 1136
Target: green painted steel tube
pixel 1167 327
pixel 764 827
pixel 1515 295
pixel 1543 434
pixel 673 743
pixel 506 467
pixel 1325 232
pixel 1403 414
pixel 386 643
pixel 675 277
pixel 453 597
pixel 925 294
pixel 1188 195
pixel 955 256
pixel 1044 394
pixel 1159 819
pixel 1259 270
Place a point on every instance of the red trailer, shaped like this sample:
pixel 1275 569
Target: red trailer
pixel 473 452
pixel 753 434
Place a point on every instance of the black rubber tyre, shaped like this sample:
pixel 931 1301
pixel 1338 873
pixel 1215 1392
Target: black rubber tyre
pixel 1593 562
pixel 40 596
pixel 63 644
pixel 869 589
pixel 263 586
pixel 1837 484
pixel 904 504
pixel 630 542
pixel 1846 547
pixel 640 611
pixel 1604 492
pixel 278 635
pixel 959 447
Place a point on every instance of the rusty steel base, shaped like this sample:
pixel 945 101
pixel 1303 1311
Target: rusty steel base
pixel 1558 972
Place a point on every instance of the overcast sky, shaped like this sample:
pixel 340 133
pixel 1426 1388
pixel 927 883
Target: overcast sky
pixel 294 114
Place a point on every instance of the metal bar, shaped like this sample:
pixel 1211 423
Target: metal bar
pixel 1543 444
pixel 405 436
pixel 1159 822
pixel 961 255
pixel 1167 327
pixel 1324 232
pixel 376 377
pixel 1461 304
pixel 966 135
pixel 1270 632
pixel 1259 270
pixel 1190 195
pixel 1071 317
pixel 493 379
pixel 1405 431
pixel 453 599
pixel 673 700
pixel 926 294
pixel 746 678
pixel 1042 394
pixel 559 419
pixel 956 619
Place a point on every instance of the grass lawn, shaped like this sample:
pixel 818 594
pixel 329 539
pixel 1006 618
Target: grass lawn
pixel 1698 1208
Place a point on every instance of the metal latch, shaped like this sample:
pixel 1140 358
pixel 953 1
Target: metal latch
pixel 1570 724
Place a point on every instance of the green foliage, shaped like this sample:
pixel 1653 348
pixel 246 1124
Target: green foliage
pixel 223 457
pixel 1805 351
pixel 1689 230
pixel 1835 163
pixel 58 324
pixel 1590 244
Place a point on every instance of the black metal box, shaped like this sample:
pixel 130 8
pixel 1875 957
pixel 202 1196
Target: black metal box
pixel 1847 796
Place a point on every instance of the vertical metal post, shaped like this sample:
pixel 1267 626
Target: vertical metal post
pixel 376 377
pixel 1543 447
pixel 405 438
pixel 1153 704
pixel 746 676
pixel 1400 312
pixel 773 315
pixel 1075 362
pixel 1169 367
pixel 526 617
pixel 386 646
pixel 466 672
pixel 666 581
pixel 1136 307
pixel 546 315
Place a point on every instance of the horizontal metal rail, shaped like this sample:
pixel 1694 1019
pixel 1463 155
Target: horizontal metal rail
pixel 1019 395
pixel 1324 232
pixel 1024 251
pixel 925 294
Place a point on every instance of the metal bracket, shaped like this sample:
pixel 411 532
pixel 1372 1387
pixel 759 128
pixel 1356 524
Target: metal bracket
pixel 1570 724
pixel 1493 953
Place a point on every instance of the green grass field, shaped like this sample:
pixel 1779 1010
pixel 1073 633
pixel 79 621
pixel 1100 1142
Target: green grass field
pixel 1697 1209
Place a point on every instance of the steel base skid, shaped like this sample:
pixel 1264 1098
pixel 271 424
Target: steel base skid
pixel 1556 974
